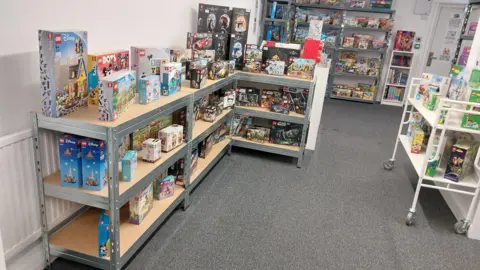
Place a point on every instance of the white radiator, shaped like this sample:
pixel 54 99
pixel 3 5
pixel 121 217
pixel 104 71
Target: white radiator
pixel 20 222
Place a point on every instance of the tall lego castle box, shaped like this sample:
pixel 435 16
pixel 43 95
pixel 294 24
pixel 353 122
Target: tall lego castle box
pixel 117 93
pixel 94 164
pixel 70 156
pixel 101 65
pixel 63 71
pixel 147 60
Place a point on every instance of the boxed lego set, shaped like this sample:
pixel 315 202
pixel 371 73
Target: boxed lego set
pixel 171 137
pixel 148 60
pixel 149 89
pixel 217 70
pixel 94 164
pixel 164 188
pixel 171 78
pixel 213 18
pixel 198 77
pixel 279 54
pixel 240 21
pixel 117 93
pixel 248 97
pixel 297 98
pixel 140 205
pixel 129 164
pixel 70 156
pixel 301 68
pixel 274 67
pixel 152 150
pixel 220 45
pixel 237 49
pixel 461 160
pixel 104 234
pixel 286 133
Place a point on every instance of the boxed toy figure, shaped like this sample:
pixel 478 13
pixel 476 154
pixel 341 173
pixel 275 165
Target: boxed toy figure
pixel 164 188
pixel 206 146
pixel 180 118
pixel 198 77
pixel 286 133
pixel 297 98
pixel 275 67
pixel 300 67
pixel 149 89
pixel 461 160
pixel 213 18
pixel 151 150
pixel 228 98
pixel 147 61
pixel 70 155
pixel 210 114
pixel 248 97
pixel 231 67
pixel 241 124
pixel 220 43
pixel 94 164
pixel 63 72
pixel 171 78
pixel 417 139
pixel 101 65
pixel 279 54
pixel 129 164
pixel 252 65
pixel 217 70
pixel 237 49
pixel 208 55
pixel 140 205
pixel 103 234
pixel 200 41
pixel 117 93
pixel 268 96
pixel 280 106
pixel 171 136
pixel 240 21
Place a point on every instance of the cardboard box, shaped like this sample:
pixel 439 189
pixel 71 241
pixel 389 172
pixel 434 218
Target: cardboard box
pixel 237 49
pixel 70 156
pixel 129 164
pixel 252 65
pixel 297 98
pixel 171 136
pixel 275 67
pixel 228 98
pixel 240 21
pixel 268 96
pixel 149 90
pixel 217 70
pixel 148 61
pixel 152 150
pixel 198 77
pixel 210 114
pixel 417 139
pixel 200 41
pixel 104 234
pixel 206 146
pixel 220 45
pixel 63 71
pixel 140 205
pixel 253 52
pixel 164 188
pixel 279 54
pixel 286 133
pixel 461 160
pixel 301 68
pixel 212 18
pixel 117 93
pixel 171 78
pixel 94 164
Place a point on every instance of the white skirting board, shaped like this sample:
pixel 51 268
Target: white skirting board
pixel 317 106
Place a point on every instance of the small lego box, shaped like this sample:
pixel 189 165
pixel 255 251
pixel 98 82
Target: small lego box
pixel 286 133
pixel 200 41
pixel 129 164
pixel 253 52
pixel 218 107
pixel 240 21
pixel 275 67
pixel 157 181
pixel 231 67
pixel 151 150
pixel 180 119
pixel 297 98
pixel 252 65
pixel 103 234
pixel 101 65
pixel 171 78
pixel 212 18
pixel 472 121
pixel 368 95
pixel 178 171
pixel 241 124
pixel 300 67
pixel 217 70
pixel 70 155
pixel 206 146
pixel 210 114
pixel 220 133
pixel 63 71
pixel 237 49
pixel 164 188
pixel 117 93
pixel 171 136
pixel 140 205
pixel 94 164
pixel 256 135
pixel 148 61
pixel 461 160
pixel 248 97
pixel 417 139
pixel 268 96
pixel 198 77
pixel 220 45
pixel 357 94
pixel 149 89
pixel 228 98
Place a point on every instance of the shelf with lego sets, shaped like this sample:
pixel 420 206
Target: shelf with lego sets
pixel 286 150
pixel 265 113
pixel 202 129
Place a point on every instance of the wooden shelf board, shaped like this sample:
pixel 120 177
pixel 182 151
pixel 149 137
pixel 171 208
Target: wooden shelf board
pixel 265 110
pixel 203 163
pixel 288 147
pixel 274 76
pixel 186 85
pixel 143 169
pixel 81 235
pixel 201 126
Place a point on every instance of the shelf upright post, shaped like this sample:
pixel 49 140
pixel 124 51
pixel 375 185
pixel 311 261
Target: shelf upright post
pixel 113 198
pixel 188 158
pixel 306 123
pixel 41 194
pixel 230 144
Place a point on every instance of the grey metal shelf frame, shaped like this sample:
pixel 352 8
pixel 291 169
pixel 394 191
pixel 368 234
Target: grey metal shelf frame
pixel 285 24
pixel 468 10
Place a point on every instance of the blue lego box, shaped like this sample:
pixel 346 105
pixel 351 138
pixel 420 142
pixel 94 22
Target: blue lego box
pixel 63 71
pixel 164 187
pixel 149 89
pixel 94 164
pixel 129 164
pixel 171 78
pixel 103 234
pixel 70 156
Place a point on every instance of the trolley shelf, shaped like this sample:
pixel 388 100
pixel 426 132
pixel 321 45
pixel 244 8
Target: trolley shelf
pixel 204 165
pixel 416 159
pixel 202 128
pixel 80 235
pixel 210 87
pixel 267 114
pixel 276 80
pixel 286 150
pixel 144 174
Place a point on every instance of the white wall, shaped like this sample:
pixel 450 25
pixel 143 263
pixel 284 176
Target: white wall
pixel 111 25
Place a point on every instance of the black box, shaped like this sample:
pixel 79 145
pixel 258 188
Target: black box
pixel 279 54
pixel 213 18
pixel 248 97
pixel 205 146
pixel 241 124
pixel 240 21
pixel 286 133
pixel 269 96
pixel 198 77
pixel 237 49
pixel 220 44
pixel 297 98
pixel 217 70
pixel 199 41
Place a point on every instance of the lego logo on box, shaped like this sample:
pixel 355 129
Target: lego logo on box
pixel 58 39
pixel 115 87
pixel 84 144
pixel 109 85
pixel 61 140
pixel 101 144
pixel 49 35
pixel 142 53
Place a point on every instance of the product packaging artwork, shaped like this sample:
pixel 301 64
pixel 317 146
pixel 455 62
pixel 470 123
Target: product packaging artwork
pixel 210 114
pixel 415 119
pixel 70 159
pixel 151 150
pixel 206 146
pixel 171 78
pixel 149 89
pixel 297 98
pixel 253 52
pixel 129 164
pixel 461 160
pixel 171 136
pixel 94 164
pixel 220 45
pixel 228 98
pixel 275 67
pixel 279 54
pixel 241 124
pixel 213 18
pixel 103 234
pixel 148 60
pixel 472 121
pixel 217 70
pixel 200 41
pixel 140 205
pixel 256 135
pixel 101 65
pixel 252 65
pixel 198 77
pixel 208 55
pixel 231 67
pixel 117 93
pixel 417 139
pixel 269 96
pixel 240 21
pixel 248 97
pixel 164 188
pixel 286 133
pixel 63 72
pixel 301 68
pixel 237 49
pixel 431 81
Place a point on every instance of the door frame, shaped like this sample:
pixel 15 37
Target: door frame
pixel 433 17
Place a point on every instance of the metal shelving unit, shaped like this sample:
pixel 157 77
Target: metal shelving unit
pixel 66 240
pixel 285 23
pixel 464 37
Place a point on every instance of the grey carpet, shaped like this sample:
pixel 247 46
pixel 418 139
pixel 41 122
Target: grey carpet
pixel 340 211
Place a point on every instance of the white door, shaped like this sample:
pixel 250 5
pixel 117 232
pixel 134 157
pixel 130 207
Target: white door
pixel 443 43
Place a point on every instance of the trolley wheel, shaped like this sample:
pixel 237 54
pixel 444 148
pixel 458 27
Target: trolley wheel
pixel 461 227
pixel 410 218
pixel 389 164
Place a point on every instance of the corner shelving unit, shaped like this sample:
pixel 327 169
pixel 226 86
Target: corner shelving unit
pixel 76 237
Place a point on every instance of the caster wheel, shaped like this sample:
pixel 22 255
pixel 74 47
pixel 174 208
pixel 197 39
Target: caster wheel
pixel 388 164
pixel 461 227
pixel 409 219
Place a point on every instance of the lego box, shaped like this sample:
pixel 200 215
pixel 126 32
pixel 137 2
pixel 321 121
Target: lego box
pixel 220 45
pixel 237 49
pixel 101 65
pixel 198 77
pixel 200 41
pixel 149 89
pixel 151 150
pixel 171 136
pixel 164 188
pixel 461 160
pixel 213 18
pixel 140 205
pixel 63 71
pixel 279 54
pixel 171 78
pixel 117 93
pixel 301 68
pixel 129 164
pixel 417 139
pixel 217 70
pixel 70 155
pixel 252 51
pixel 147 61
pixel 103 234
pixel 94 164
pixel 252 65
pixel 240 21
pixel 472 121
pixel 286 133
pixel 275 67
pixel 297 98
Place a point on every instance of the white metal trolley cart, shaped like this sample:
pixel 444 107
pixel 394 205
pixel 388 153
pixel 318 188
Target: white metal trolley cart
pixel 453 116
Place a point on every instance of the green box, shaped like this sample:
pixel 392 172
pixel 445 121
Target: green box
pixel 472 121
